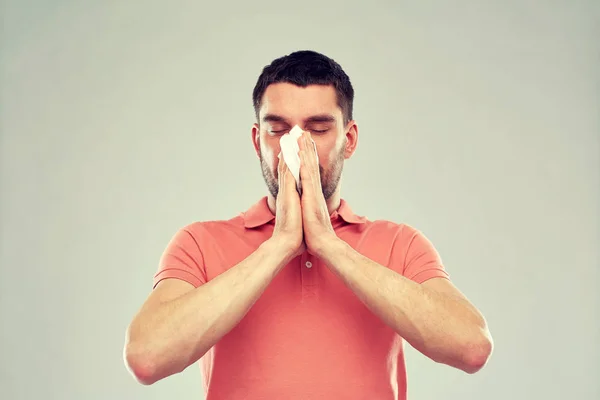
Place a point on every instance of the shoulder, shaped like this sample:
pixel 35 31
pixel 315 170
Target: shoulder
pixel 399 236
pixel 400 230
pixel 211 229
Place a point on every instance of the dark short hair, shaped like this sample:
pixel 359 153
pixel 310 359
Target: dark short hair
pixel 303 68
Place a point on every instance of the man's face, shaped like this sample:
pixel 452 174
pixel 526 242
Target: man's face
pixel 314 108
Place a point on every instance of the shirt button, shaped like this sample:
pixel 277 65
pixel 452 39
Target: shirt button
pixel 308 264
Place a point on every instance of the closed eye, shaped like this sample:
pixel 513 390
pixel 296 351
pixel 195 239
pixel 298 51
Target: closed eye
pixel 283 131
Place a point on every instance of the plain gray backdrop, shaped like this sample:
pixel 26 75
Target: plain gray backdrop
pixel 121 122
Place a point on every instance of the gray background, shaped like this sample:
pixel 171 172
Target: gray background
pixel 123 121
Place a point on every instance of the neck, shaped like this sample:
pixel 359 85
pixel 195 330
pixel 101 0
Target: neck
pixel 333 203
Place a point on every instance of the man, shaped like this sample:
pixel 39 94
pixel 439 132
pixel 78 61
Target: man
pixel 298 297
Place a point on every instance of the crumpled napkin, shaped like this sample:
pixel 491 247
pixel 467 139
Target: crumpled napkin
pixel 289 151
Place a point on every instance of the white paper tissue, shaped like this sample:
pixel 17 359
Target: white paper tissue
pixel 289 151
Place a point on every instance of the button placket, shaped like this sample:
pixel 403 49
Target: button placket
pixel 309 276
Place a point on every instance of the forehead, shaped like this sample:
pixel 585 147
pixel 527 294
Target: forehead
pixel 291 101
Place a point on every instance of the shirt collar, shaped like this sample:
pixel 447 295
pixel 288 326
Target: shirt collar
pixel 260 214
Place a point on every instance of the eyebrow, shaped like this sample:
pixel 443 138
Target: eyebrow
pixel 313 118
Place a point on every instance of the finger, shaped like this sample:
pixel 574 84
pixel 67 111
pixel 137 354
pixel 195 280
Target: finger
pixel 290 181
pixel 310 151
pixel 280 168
pixel 281 172
pixel 309 145
pixel 301 144
pixel 314 145
pixel 286 178
pixel 305 169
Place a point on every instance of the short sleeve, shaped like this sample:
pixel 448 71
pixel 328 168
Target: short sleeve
pixel 419 259
pixel 182 259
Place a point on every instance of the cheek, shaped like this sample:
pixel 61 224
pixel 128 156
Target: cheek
pixel 270 150
pixel 324 157
pixel 330 149
pixel 274 162
pixel 329 155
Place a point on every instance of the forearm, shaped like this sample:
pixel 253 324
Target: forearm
pixel 179 332
pixel 445 328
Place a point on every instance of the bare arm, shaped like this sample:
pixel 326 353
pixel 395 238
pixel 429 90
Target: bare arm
pixel 434 317
pixel 178 323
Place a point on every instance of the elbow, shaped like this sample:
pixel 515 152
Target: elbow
pixel 143 369
pixel 477 353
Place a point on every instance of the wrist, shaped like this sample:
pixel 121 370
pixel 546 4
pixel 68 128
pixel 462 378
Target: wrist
pixel 327 245
pixel 281 247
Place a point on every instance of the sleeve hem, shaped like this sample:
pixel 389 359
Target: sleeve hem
pixel 430 273
pixel 177 274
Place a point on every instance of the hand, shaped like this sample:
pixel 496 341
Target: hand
pixel 288 214
pixel 315 216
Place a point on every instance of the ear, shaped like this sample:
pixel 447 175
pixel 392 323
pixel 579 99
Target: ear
pixel 351 139
pixel 256 139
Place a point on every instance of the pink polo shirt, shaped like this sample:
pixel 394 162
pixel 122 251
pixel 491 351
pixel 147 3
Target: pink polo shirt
pixel 308 336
